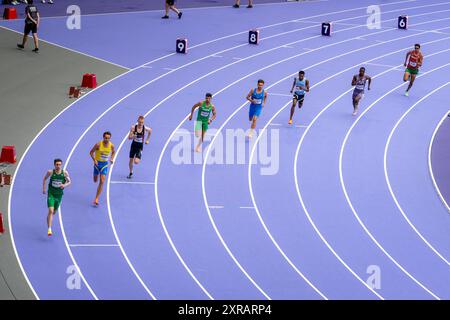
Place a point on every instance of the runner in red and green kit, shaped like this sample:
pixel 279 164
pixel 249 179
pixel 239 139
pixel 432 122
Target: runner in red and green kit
pixel 203 118
pixel 413 62
pixel 59 179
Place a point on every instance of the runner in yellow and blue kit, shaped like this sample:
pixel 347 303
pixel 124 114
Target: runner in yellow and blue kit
pixel 257 98
pixel 100 154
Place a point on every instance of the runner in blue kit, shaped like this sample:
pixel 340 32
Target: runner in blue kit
pixel 257 98
pixel 359 82
pixel 301 85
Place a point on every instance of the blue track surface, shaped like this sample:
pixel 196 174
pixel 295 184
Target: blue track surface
pixel 349 193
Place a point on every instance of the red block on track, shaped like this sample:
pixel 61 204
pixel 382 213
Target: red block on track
pixel 2 228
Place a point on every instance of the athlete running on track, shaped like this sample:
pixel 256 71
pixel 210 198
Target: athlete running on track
pixel 359 82
pixel 257 98
pixel 59 180
pixel 301 85
pixel 203 118
pixel 100 154
pixel 137 134
pixel 413 62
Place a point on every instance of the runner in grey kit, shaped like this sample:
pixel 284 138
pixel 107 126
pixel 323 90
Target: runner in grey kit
pixel 359 82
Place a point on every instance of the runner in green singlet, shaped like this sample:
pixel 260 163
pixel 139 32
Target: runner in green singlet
pixel 59 179
pixel 203 118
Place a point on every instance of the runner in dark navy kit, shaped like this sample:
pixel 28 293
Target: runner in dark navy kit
pixel 32 19
pixel 359 82
pixel 137 134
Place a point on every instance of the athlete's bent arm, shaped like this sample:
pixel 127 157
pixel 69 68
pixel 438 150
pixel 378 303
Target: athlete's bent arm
pixel 131 134
pixel 68 181
pixel 113 153
pixel 407 56
pixel 354 81
pixel 213 114
pixel 307 86
pixel 293 85
pixel 419 63
pixel 370 81
pixel 198 104
pixel 92 152
pixel 249 96
pixel 265 98
pixel 47 175
pixel 149 130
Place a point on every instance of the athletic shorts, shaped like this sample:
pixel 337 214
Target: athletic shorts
pixel 201 125
pixel 412 71
pixel 299 97
pixel 255 110
pixel 102 168
pixel 30 27
pixel 170 2
pixel 53 201
pixel 357 92
pixel 136 150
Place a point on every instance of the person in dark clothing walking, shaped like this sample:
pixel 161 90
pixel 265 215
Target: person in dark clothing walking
pixel 170 4
pixel 31 25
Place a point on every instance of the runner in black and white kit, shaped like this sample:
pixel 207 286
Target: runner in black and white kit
pixel 137 134
pixel 359 82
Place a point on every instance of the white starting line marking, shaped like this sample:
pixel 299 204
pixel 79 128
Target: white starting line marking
pixel 147 67
pixel 216 207
pixel 308 49
pixel 301 126
pixel 286 46
pixel 131 182
pixel 216 56
pixel 246 207
pixel 170 69
pixel 275 124
pixel 93 245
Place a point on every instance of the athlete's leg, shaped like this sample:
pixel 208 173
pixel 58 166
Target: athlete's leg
pixel 406 76
pixel 200 141
pixel 100 187
pixel 413 77
pixel 51 212
pixel 294 103
pixel 95 178
pixel 130 166
pixel 137 160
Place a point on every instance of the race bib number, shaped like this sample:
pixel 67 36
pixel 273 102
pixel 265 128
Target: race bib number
pixel 413 64
pixel 204 113
pixel 257 101
pixel 56 183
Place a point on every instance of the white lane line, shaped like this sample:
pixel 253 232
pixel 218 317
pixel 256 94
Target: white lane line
pixel 289 47
pixel 216 56
pixel 236 58
pixel 374 240
pixel 216 207
pixel 296 174
pixel 430 165
pixel 252 154
pixel 132 182
pixel 93 245
pixel 381 65
pixel 279 94
pixel 104 84
pixel 212 142
pixel 301 126
pixel 276 124
pixel 386 175
pixel 246 207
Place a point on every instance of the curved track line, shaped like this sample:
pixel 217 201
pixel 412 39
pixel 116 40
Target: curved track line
pixel 212 141
pixel 198 79
pixel 386 175
pixel 374 240
pixel 52 120
pixel 254 148
pixel 430 166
